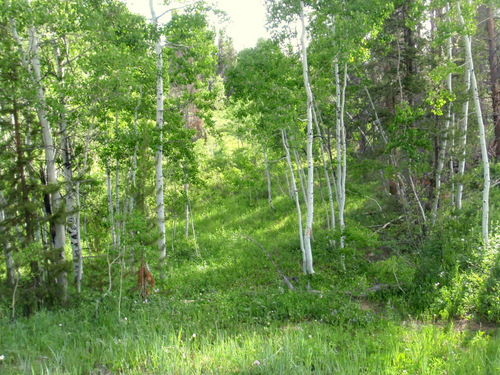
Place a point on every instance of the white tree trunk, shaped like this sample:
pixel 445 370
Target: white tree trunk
pixel 295 195
pixel 444 138
pixel 341 147
pixel 32 64
pixel 308 267
pixel 300 172
pixel 482 134
pixel 268 176
pixel 186 209
pixel 72 223
pixel 464 123
pixel 160 205
pixel 332 223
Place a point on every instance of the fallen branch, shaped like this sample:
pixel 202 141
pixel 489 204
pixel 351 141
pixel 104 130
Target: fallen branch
pixel 285 279
pixel 389 223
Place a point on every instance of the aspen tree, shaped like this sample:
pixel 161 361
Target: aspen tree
pixel 482 133
pixel 444 134
pixel 160 205
pixel 32 63
pixel 308 266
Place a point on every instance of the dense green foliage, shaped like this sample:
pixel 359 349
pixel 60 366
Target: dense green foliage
pixel 407 284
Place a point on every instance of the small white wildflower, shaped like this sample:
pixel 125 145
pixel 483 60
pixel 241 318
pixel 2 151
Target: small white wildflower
pixel 194 335
pixel 310 336
pixel 125 319
pixel 60 325
pixel 256 363
pixel 463 239
pixel 2 357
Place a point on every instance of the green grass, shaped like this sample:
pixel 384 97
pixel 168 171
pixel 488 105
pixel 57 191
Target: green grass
pixel 227 310
pixel 155 339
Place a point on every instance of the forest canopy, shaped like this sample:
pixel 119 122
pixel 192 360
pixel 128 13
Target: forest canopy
pixel 353 155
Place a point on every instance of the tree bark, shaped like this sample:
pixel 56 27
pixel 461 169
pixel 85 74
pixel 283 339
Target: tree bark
pixel 268 176
pixel 464 122
pixel 308 266
pixel 160 205
pixel 331 223
pixel 72 223
pixel 10 271
pixel 341 147
pixel 444 137
pixel 295 193
pixel 494 79
pixel 482 134
pixel 32 64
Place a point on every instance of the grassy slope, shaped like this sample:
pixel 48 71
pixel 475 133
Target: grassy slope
pixel 228 311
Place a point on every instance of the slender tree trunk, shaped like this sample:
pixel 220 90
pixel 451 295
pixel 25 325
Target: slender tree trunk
pixel 300 172
pixel 110 206
pixel 295 195
pixel 67 171
pixel 133 174
pixel 268 176
pixel 494 79
pixel 160 205
pixel 289 185
pixel 308 266
pixel 186 208
pixel 482 134
pixel 118 217
pixel 32 63
pixel 81 171
pixel 22 172
pixel 341 147
pixel 444 138
pixel 10 270
pixel 464 122
pixel 331 223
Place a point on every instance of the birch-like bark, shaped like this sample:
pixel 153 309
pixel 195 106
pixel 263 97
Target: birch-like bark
pixel 482 134
pixel 300 172
pixel 72 226
pixel 186 208
pixel 268 176
pixel 444 137
pixel 295 194
pixel 323 149
pixel 308 266
pixel 289 185
pixel 160 205
pixel 463 123
pixel 32 64
pixel 341 147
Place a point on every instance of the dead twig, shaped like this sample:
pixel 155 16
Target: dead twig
pixel 285 279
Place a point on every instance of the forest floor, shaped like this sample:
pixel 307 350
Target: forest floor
pixel 224 309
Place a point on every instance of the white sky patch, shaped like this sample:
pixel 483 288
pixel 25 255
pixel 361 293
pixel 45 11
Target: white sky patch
pixel 246 25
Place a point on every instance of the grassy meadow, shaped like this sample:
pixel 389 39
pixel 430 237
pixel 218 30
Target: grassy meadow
pixel 224 308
